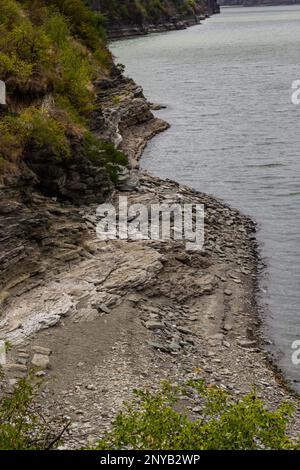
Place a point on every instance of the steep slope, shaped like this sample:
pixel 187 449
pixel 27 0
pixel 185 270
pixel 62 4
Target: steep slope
pixel 53 55
pixel 67 106
pixel 132 17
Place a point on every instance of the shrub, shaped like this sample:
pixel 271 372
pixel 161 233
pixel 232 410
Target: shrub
pixel 46 133
pixel 104 154
pixel 36 128
pixel 51 52
pixel 2 164
pixel 22 427
pixel 153 421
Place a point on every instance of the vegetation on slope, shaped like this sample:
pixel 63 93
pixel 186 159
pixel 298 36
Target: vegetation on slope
pixel 51 52
pixel 148 11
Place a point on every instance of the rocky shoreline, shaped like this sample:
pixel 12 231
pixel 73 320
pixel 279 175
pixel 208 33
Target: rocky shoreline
pixel 97 319
pixel 125 31
pixel 173 20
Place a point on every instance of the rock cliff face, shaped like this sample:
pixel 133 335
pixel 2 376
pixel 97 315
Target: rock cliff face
pixel 126 19
pixel 40 224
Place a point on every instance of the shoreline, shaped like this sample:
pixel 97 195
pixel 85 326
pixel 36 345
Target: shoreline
pixel 123 315
pixel 131 31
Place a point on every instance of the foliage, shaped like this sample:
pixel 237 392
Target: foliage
pixel 51 53
pixel 45 132
pixel 21 425
pixel 104 154
pixel 142 11
pixel 153 421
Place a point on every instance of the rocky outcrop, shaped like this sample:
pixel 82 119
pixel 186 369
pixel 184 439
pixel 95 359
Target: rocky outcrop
pixel 125 117
pixel 40 226
pixel 117 31
pixel 128 314
pixel 170 17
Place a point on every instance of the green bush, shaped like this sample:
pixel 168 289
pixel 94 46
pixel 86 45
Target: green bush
pixel 22 427
pixel 36 128
pixel 51 53
pixel 153 422
pixel 46 133
pixel 104 154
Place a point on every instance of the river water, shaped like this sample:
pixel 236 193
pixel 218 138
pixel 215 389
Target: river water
pixel 227 85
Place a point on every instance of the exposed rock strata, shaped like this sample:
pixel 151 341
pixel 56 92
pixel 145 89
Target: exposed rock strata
pixel 174 19
pixel 118 315
pixel 128 314
pixel 38 232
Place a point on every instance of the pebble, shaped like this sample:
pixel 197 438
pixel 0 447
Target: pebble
pixel 228 292
pixel 90 387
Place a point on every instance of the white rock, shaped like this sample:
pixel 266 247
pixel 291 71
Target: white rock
pixel 40 361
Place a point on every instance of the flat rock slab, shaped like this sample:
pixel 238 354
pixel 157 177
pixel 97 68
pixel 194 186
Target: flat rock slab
pixel 41 361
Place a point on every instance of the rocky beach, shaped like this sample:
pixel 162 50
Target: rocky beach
pixel 93 320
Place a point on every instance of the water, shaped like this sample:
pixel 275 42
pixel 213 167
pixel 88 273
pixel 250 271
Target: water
pixel 227 85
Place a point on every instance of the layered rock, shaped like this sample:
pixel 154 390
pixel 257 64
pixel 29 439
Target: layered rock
pixel 130 21
pixel 40 225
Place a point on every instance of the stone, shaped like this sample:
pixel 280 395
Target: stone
pixel 40 373
pixel 42 350
pixel 90 387
pixel 133 298
pixel 184 330
pixel 217 336
pixel 159 346
pixel 12 382
pixel 24 355
pixel 197 409
pixel 41 361
pixel 154 325
pixel 22 360
pixel 246 343
pixel 103 308
pixel 174 346
pixel 16 369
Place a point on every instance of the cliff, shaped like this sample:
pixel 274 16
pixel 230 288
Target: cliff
pixel 67 108
pixel 129 18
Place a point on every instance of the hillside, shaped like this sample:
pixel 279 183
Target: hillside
pixel 130 17
pixel 55 63
pixel 69 123
pixel 53 56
